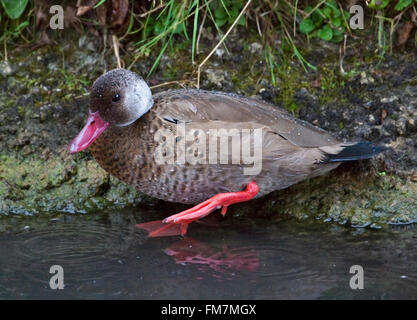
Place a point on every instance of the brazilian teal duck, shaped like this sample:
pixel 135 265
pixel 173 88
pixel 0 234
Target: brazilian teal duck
pixel 162 145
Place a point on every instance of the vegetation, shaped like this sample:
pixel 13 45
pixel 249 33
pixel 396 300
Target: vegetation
pixel 327 22
pixel 157 25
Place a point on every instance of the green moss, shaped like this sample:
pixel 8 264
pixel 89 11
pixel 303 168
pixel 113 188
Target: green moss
pixel 361 200
pixel 60 184
pixel 290 81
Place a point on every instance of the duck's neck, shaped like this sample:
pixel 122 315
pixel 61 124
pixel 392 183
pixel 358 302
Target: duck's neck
pixel 122 151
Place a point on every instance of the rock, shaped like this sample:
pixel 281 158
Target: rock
pixel 53 66
pixel 389 99
pixel 401 126
pixel 90 46
pixel 6 68
pixel 216 76
pixel 411 124
pixel 219 52
pixel 411 90
pixel 366 79
pixel 255 47
pixel 81 41
pixel 364 132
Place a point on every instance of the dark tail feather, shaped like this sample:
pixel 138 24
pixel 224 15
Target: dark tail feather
pixel 358 151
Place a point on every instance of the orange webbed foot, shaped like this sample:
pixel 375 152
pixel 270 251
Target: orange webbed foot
pixel 177 224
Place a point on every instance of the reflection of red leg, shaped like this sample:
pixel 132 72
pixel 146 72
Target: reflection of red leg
pixel 159 229
pixel 177 224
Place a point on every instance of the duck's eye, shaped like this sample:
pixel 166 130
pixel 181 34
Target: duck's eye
pixel 116 97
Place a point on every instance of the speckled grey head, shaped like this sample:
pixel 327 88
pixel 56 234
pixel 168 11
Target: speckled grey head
pixel 121 97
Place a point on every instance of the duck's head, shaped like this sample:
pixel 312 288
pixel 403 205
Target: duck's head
pixel 117 98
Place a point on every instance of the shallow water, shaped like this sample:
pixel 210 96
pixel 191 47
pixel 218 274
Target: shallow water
pixel 104 256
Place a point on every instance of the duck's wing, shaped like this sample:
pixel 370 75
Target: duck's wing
pixel 202 107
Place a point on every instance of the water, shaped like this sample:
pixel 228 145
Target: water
pixel 104 256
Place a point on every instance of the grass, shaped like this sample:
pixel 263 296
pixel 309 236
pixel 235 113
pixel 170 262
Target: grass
pixel 154 26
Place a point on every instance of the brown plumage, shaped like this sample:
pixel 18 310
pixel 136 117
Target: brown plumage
pixel 292 150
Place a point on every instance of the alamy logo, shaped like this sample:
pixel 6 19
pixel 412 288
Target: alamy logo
pixel 57 20
pixel 356 21
pixel 356 282
pixel 57 280
pixel 211 146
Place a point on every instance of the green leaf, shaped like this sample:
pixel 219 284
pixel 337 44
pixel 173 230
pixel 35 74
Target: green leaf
pixel 325 33
pixel 14 8
pixel 241 21
pixel 234 12
pixel 238 4
pixel 337 13
pixel 221 22
pixel 337 36
pixel 220 13
pixel 179 28
pixel 331 3
pixel 225 7
pixel 317 16
pixel 402 4
pixel 308 9
pixel 338 31
pixel 327 12
pixel 21 26
pixel 337 39
pixel 159 27
pixel 336 22
pixel 378 4
pixel 306 26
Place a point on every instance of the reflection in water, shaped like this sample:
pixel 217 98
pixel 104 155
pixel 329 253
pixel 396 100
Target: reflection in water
pixel 220 264
pixel 105 256
pixel 82 248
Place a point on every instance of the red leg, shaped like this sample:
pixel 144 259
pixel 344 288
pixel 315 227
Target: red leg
pixel 177 224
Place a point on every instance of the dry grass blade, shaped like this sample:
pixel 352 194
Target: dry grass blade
pixel 221 41
pixel 180 83
pixel 116 50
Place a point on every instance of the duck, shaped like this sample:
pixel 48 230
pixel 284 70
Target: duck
pixel 205 148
